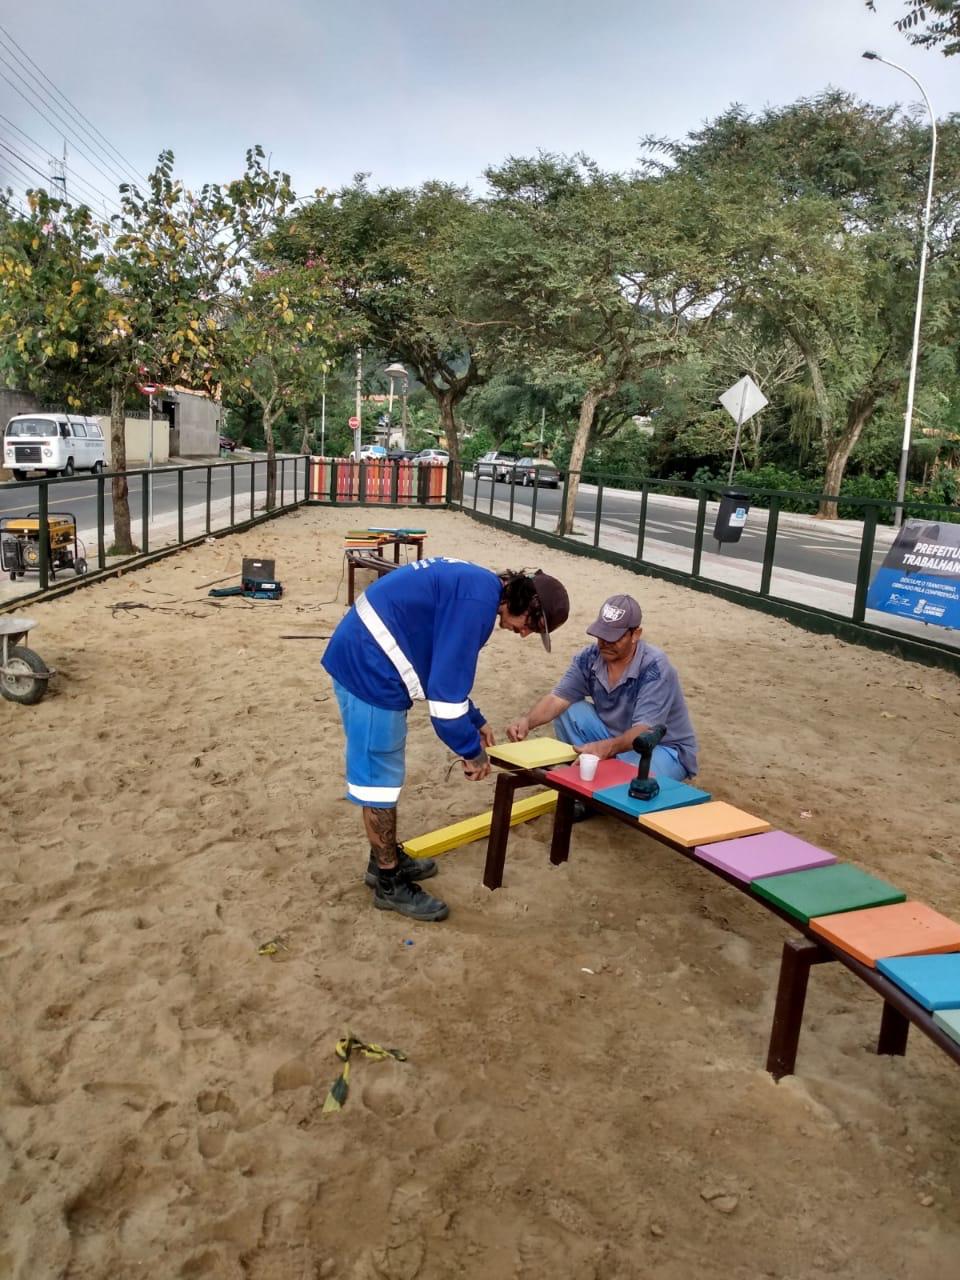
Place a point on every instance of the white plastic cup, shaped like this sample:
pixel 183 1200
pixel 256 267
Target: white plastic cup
pixel 588 766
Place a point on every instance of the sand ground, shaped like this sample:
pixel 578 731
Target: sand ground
pixel 176 801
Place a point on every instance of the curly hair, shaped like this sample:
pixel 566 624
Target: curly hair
pixel 520 595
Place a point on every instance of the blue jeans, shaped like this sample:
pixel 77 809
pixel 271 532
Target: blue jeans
pixel 580 723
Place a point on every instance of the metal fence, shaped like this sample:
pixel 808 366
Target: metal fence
pixel 170 507
pixel 664 527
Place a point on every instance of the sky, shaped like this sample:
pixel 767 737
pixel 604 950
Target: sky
pixel 426 89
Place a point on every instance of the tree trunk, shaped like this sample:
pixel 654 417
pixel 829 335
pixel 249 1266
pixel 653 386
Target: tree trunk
pixel 271 500
pixel 859 414
pixel 447 401
pixel 588 410
pixel 305 423
pixel 122 541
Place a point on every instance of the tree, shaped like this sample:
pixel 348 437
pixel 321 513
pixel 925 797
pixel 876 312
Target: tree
pixel 930 24
pixel 175 266
pixel 391 255
pixel 831 199
pixel 53 304
pixel 276 344
pixel 591 278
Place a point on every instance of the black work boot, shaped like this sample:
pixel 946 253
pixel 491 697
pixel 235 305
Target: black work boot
pixel 412 868
pixel 394 892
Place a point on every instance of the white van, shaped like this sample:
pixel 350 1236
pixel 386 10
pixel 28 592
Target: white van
pixel 57 443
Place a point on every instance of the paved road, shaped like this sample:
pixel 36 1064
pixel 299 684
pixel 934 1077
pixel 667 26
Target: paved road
pixel 80 494
pixel 821 552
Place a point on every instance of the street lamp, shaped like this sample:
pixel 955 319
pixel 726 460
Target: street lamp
pixel 398 371
pixel 911 384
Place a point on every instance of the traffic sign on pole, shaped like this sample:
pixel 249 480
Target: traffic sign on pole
pixel 354 423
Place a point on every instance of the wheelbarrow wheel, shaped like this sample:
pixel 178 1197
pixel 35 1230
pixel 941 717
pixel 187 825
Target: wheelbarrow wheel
pixel 80 566
pixel 24 679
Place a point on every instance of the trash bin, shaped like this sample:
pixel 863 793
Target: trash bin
pixel 732 516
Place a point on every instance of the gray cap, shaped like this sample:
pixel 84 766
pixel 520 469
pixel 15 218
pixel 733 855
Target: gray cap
pixel 617 615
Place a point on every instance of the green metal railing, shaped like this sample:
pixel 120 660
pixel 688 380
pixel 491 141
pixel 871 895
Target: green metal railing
pixel 592 516
pixel 213 511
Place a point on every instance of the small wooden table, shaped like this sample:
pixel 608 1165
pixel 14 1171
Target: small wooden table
pixel 799 954
pixel 374 559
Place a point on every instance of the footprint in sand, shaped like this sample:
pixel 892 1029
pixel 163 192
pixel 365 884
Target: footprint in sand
pixel 383 1100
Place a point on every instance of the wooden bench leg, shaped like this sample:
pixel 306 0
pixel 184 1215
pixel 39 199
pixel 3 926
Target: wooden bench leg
pixel 799 954
pixel 351 570
pixel 562 827
pixel 894 1028
pixel 507 784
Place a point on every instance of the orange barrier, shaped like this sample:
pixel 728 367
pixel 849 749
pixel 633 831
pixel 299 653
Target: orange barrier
pixel 402 481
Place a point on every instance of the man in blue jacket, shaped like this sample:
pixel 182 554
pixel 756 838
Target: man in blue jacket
pixel 415 635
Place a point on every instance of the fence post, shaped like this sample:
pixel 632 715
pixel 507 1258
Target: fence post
pixel 233 493
pixel 283 480
pixel 698 534
pixel 533 504
pixel 770 545
pixel 180 504
pixel 563 499
pixel 642 529
pixel 144 514
pixel 493 484
pixel 44 532
pixel 598 516
pixel 395 482
pixel 209 482
pixel 865 563
pixel 101 520
pixel 253 489
pixel 333 482
pixel 361 481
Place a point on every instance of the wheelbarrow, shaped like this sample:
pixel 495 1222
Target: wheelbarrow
pixel 23 673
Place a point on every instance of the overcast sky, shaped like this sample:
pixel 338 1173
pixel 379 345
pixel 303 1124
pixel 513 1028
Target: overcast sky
pixel 427 88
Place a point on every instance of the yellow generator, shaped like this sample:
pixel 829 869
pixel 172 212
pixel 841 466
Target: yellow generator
pixel 20 544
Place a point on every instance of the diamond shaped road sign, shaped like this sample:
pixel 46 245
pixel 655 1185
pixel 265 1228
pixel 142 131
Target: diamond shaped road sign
pixel 743 399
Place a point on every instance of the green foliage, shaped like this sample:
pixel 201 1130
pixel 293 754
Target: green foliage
pixel 931 24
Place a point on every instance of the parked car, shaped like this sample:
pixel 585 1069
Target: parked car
pixel 433 455
pixel 228 444
pixel 537 470
pixel 56 443
pixel 371 453
pixel 495 465
pixel 402 455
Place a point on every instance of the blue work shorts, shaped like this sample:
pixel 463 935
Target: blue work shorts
pixel 376 739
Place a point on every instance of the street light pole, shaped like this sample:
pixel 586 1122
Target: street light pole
pixel 912 382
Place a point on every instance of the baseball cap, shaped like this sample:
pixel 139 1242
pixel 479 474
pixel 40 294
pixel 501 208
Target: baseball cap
pixel 554 604
pixel 617 615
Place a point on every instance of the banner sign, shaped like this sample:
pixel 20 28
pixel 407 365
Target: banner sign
pixel 920 577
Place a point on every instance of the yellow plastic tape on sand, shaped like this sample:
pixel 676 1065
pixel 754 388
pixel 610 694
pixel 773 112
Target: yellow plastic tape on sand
pixel 477 828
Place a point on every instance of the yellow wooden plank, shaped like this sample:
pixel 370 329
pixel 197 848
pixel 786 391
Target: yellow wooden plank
pixel 534 753
pixel 459 833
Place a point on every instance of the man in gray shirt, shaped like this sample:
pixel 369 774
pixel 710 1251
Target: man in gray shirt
pixel 631 686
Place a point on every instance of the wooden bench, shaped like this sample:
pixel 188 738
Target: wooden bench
pixel 799 954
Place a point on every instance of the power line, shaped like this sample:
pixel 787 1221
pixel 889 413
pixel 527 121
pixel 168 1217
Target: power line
pixel 53 123
pixel 131 169
pixel 24 162
pixel 64 122
pixel 48 155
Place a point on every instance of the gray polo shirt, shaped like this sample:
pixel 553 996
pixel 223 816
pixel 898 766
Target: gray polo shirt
pixel 648 693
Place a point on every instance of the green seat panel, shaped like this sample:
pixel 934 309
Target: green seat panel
pixel 826 891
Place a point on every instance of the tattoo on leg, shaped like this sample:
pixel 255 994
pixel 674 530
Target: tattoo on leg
pixel 381 828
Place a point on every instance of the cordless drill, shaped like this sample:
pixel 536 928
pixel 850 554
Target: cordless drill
pixel 643 787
